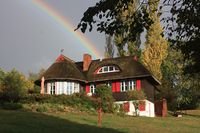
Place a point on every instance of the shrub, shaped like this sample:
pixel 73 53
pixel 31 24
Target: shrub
pixel 75 100
pixel 136 95
pixel 121 112
pixel 11 106
pixel 104 93
pixel 13 87
pixel 42 108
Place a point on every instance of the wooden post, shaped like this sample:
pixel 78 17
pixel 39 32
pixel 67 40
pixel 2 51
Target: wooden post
pixel 99 114
pixel 164 108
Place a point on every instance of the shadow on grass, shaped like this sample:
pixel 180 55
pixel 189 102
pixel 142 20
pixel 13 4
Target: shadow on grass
pixel 28 122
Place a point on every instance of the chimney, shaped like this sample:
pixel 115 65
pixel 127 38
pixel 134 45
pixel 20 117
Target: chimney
pixel 86 61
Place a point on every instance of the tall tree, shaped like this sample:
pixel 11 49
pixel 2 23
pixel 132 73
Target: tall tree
pixel 156 45
pixel 109 48
pixel 131 46
pixel 105 16
pixel 183 25
pixel 180 90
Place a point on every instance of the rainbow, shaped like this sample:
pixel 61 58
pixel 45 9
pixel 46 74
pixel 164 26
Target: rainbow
pixel 61 20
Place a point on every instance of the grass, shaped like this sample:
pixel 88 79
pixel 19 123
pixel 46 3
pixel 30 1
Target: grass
pixel 23 122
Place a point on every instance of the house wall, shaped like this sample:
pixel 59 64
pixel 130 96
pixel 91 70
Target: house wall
pixel 115 85
pixel 148 89
pixel 63 87
pixel 148 112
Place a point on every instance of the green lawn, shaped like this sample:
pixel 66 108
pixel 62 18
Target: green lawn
pixel 29 122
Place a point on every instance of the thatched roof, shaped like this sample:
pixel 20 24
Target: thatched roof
pixel 63 69
pixel 66 69
pixel 129 68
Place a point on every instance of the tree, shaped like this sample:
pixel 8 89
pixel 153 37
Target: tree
pixel 109 48
pixel 2 77
pixel 132 46
pixel 156 45
pixel 14 86
pixel 105 13
pixel 32 78
pixel 180 90
pixel 183 26
pixel 105 94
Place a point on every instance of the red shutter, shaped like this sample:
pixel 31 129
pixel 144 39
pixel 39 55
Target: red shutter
pixel 138 84
pixel 117 86
pixel 113 87
pixel 126 107
pixel 142 105
pixel 87 89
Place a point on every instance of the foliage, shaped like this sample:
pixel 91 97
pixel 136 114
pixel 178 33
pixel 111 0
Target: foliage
pixel 32 78
pixel 121 110
pixel 135 96
pixel 106 99
pixel 180 90
pixel 109 48
pixel 11 106
pixel 2 76
pixel 156 46
pixel 42 108
pixel 183 26
pixel 105 16
pixel 132 46
pixel 14 86
pixel 75 100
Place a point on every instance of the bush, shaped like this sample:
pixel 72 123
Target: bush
pixel 104 93
pixel 75 100
pixel 42 108
pixel 11 106
pixel 13 87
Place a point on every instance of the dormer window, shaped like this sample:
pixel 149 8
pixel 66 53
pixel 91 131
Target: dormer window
pixel 108 69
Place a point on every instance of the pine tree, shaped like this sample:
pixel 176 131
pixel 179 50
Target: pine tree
pixel 156 46
pixel 109 48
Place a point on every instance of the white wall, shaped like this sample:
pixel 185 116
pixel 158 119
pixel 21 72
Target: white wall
pixel 149 108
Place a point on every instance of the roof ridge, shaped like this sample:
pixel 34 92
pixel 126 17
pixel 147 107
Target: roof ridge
pixel 62 57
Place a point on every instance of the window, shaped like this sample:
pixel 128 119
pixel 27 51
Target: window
pixel 64 87
pixel 108 69
pixel 92 88
pixel 52 88
pixel 109 84
pixel 76 87
pixel 128 85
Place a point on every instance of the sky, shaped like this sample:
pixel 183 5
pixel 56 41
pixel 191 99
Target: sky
pixel 31 38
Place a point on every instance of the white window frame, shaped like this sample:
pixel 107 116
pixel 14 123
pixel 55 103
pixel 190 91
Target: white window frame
pixel 127 85
pixel 52 90
pixel 92 88
pixel 109 84
pixel 67 88
pixel 102 69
